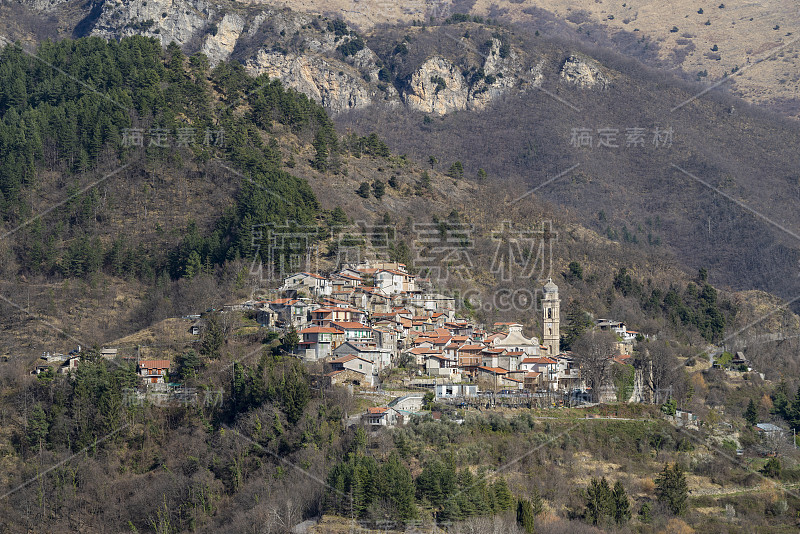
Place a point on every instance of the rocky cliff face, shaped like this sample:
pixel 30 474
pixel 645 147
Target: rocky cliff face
pixel 437 87
pixel 218 46
pixel 584 72
pixel 334 85
pixel 332 64
pixel 166 20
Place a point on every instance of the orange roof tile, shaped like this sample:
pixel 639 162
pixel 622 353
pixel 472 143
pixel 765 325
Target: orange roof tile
pixel 318 330
pixel 154 364
pixel 495 370
pixel 539 359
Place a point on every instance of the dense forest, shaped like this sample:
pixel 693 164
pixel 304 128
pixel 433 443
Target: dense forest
pixel 52 121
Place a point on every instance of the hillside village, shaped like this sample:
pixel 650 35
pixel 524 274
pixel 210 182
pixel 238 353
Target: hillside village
pixel 367 320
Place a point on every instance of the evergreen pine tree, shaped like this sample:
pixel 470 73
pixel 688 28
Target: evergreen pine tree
pixel 622 506
pixel 599 500
pixel 456 170
pixel 502 495
pixel 525 515
pixel 213 337
pixel 37 427
pixel 295 393
pixel 672 489
pixel 398 487
pixel 363 190
pixel 537 505
pixel 751 413
pixel 320 162
pixel 378 189
pixel 193 265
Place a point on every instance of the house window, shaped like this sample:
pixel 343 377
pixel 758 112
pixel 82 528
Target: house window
pixel 360 366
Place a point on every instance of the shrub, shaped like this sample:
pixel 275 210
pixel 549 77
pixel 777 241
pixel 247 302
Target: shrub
pixel 772 468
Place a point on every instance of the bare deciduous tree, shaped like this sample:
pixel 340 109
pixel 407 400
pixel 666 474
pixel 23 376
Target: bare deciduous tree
pixel 593 351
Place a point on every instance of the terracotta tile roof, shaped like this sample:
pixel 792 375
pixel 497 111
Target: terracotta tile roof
pixel 424 350
pixel 377 410
pixel 154 364
pixel 541 359
pixel 318 330
pixel 495 370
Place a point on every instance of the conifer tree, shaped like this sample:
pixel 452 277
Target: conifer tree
pixel 622 506
pixel 502 495
pixel 751 413
pixel 525 515
pixel 537 505
pixel 672 489
pixel 599 500
pixel 37 427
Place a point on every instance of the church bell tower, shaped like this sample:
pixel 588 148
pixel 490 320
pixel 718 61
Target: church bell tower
pixel 551 305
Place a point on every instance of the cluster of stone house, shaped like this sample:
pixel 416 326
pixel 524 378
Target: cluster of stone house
pixel 501 359
pixel 365 318
pixel 363 290
pixel 368 317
